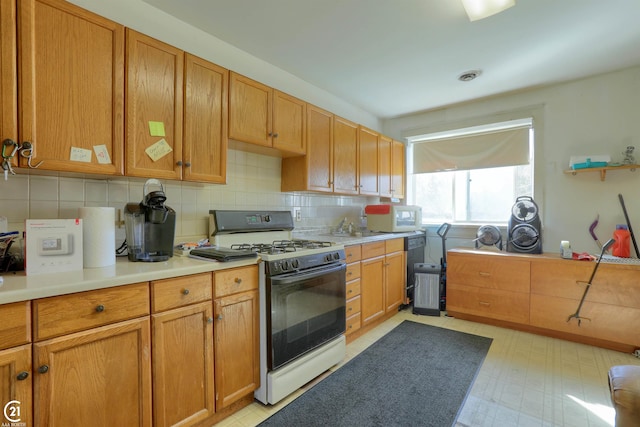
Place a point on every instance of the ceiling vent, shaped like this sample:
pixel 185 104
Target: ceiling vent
pixel 467 76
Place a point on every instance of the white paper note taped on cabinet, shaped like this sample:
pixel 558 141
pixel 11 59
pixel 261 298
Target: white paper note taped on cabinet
pixel 98 236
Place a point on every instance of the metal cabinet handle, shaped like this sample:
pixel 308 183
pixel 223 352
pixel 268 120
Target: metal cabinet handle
pixel 486 304
pixel 22 376
pixel 209 319
pixel 43 369
pixel 179 163
pixel 275 135
pixel 185 291
pixel 219 317
pixel 484 274
pixel 187 165
pixel 100 308
pixel 238 280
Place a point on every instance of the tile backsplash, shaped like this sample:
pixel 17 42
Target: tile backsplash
pixel 253 182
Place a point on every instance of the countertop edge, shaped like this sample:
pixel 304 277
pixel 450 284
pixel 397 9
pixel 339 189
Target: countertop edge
pixel 17 287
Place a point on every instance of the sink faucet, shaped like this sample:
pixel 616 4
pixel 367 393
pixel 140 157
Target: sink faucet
pixel 340 227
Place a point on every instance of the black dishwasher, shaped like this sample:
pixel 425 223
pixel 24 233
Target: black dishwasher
pixel 414 246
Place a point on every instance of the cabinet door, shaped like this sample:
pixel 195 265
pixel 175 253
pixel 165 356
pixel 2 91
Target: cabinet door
pixel 397 169
pixel 99 377
pixel 384 166
pixel 183 365
pixel 372 289
pixel 368 162
pixel 154 108
pixel 395 272
pixel 249 110
pixel 205 121
pixel 289 124
pixel 320 149
pixel 345 156
pixel 8 73
pixel 15 386
pixel 237 354
pixel 71 87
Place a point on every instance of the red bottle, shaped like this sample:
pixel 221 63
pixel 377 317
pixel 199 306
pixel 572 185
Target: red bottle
pixel 622 246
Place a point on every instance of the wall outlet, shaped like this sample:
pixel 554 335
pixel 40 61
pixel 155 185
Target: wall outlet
pixel 298 215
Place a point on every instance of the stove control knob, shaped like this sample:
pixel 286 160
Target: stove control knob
pixel 336 256
pixel 285 265
pixel 267 218
pixel 295 263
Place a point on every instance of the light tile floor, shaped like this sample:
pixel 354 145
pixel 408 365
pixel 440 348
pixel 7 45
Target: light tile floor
pixel 526 380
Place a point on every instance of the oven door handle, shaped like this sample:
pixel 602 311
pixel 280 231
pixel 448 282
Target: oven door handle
pixel 289 278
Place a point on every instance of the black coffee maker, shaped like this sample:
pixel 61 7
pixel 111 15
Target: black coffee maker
pixel 150 226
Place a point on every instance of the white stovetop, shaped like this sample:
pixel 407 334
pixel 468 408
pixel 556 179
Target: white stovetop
pixel 19 287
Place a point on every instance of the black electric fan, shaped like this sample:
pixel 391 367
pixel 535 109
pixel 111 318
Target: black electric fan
pixel 488 235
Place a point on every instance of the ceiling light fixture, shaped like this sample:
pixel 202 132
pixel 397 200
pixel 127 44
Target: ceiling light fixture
pixel 467 76
pixel 479 9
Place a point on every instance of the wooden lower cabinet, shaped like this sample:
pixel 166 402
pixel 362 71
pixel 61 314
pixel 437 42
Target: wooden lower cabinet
pixel 236 334
pixel 538 293
pixel 16 386
pixel 183 380
pixel 237 352
pixel 382 278
pixel 98 377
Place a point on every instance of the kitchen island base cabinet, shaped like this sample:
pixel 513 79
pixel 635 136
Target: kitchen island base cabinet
pixel 99 377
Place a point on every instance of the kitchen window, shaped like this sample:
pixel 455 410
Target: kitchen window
pixel 471 175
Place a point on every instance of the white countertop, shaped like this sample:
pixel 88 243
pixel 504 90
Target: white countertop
pixel 19 287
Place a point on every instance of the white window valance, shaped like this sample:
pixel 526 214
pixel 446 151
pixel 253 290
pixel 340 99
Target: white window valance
pixel 490 149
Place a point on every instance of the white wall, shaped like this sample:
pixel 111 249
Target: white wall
pixel 147 19
pixel 597 115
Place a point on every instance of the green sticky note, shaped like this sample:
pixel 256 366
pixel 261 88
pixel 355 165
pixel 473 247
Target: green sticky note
pixel 156 128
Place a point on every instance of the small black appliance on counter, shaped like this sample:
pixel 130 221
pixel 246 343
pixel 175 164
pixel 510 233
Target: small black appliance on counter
pixel 150 226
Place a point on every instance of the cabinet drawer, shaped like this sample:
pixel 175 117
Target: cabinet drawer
pixel 394 245
pixel 233 280
pixel 491 303
pixel 15 327
pixel 353 253
pixel 353 271
pixel 85 310
pixel 353 288
pixel 373 249
pixel 607 322
pixel 353 324
pixel 613 284
pixel 353 306
pixel 180 291
pixel 489 272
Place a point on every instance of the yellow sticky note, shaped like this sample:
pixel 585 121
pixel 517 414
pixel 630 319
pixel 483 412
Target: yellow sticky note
pixel 156 128
pixel 158 150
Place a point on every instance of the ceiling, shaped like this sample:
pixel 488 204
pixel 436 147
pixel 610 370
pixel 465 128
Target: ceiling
pixel 397 57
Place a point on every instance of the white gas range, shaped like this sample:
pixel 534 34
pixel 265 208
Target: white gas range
pixel 302 297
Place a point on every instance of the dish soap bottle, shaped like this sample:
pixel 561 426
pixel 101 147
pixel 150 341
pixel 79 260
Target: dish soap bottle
pixel 622 247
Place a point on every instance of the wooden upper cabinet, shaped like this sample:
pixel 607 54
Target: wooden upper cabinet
pixel 313 172
pixel 368 166
pixel 397 169
pixel 8 73
pixel 345 156
pixel 260 115
pixel 249 110
pixel 384 166
pixel 205 121
pixel 154 108
pixel 289 123
pixel 71 87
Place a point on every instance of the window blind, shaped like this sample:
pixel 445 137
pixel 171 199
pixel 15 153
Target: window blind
pixel 505 147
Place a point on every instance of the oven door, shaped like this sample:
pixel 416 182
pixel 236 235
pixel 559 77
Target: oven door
pixel 307 310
